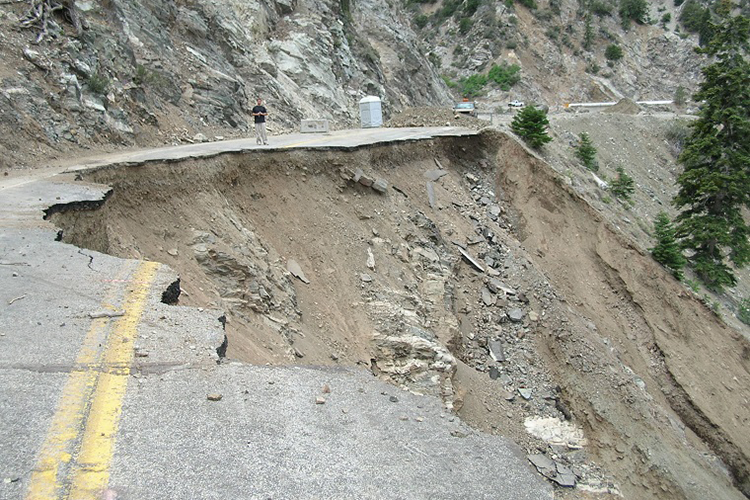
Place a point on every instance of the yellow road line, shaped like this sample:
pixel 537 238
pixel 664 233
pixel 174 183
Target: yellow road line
pixel 76 410
pixel 71 409
pixel 66 423
pixel 91 473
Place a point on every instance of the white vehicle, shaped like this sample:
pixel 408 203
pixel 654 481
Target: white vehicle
pixel 516 104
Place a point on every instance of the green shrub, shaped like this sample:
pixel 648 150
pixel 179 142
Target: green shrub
pixel 472 86
pixel 601 8
pixel 743 312
pixel 529 4
pixel 588 34
pixel 505 75
pixel 346 10
pixel 593 68
pixel 98 83
pixel 694 285
pixel 465 25
pixel 450 83
pixel 421 21
pixel 449 8
pixel 667 250
pixel 531 125
pixel 613 52
pixel 677 132
pixel 471 7
pixel 693 15
pixel 623 186
pixel 633 10
pixel 553 33
pixel 543 15
pixel 144 76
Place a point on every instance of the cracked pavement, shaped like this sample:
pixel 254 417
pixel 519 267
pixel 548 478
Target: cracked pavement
pixel 185 425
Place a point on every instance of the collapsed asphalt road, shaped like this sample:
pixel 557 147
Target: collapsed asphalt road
pixel 108 391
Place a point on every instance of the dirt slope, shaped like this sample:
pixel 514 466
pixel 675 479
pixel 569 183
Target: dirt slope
pixel 649 321
pixel 567 319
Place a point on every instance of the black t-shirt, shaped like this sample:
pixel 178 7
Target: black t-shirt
pixel 259 118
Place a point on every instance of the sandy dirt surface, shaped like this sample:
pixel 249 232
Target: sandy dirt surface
pixel 590 328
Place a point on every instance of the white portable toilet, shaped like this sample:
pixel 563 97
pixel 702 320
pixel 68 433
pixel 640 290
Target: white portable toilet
pixel 370 113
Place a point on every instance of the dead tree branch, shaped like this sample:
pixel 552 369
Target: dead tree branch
pixel 40 14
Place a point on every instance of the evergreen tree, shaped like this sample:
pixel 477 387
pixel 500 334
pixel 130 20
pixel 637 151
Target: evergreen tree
pixel 586 152
pixel 588 33
pixel 667 251
pixel 531 125
pixel 715 183
pixel 624 186
pixel 697 19
pixel 680 97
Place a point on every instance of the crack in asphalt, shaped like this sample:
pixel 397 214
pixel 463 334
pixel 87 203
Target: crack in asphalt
pixel 91 259
pixel 155 368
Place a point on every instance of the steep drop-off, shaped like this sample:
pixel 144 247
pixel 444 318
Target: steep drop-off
pixel 559 316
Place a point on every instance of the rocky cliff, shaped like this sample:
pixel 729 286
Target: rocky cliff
pixel 560 47
pixel 147 72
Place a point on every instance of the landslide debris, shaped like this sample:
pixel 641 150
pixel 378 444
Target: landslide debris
pixel 479 277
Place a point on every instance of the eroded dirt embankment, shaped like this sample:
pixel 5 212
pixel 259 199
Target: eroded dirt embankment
pixel 565 319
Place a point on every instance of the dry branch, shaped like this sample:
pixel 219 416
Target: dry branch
pixel 39 16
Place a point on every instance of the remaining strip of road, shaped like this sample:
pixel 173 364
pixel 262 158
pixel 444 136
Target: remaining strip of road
pixel 74 460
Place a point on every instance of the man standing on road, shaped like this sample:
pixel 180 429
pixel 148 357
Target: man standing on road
pixel 260 113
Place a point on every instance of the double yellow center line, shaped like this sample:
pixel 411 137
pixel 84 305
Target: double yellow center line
pixel 74 461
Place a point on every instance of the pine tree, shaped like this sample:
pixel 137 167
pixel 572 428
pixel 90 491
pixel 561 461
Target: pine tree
pixel 623 186
pixel 667 251
pixel 680 96
pixel 531 125
pixel 588 33
pixel 715 183
pixel 586 152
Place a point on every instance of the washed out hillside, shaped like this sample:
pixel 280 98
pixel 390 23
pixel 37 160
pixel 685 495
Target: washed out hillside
pixel 509 284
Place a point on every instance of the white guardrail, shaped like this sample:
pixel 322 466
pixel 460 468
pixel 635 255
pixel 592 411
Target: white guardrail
pixel 604 104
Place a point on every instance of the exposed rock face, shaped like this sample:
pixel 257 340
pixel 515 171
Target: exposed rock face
pixel 547 42
pixel 245 276
pixel 142 67
pixel 151 72
pixel 417 363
